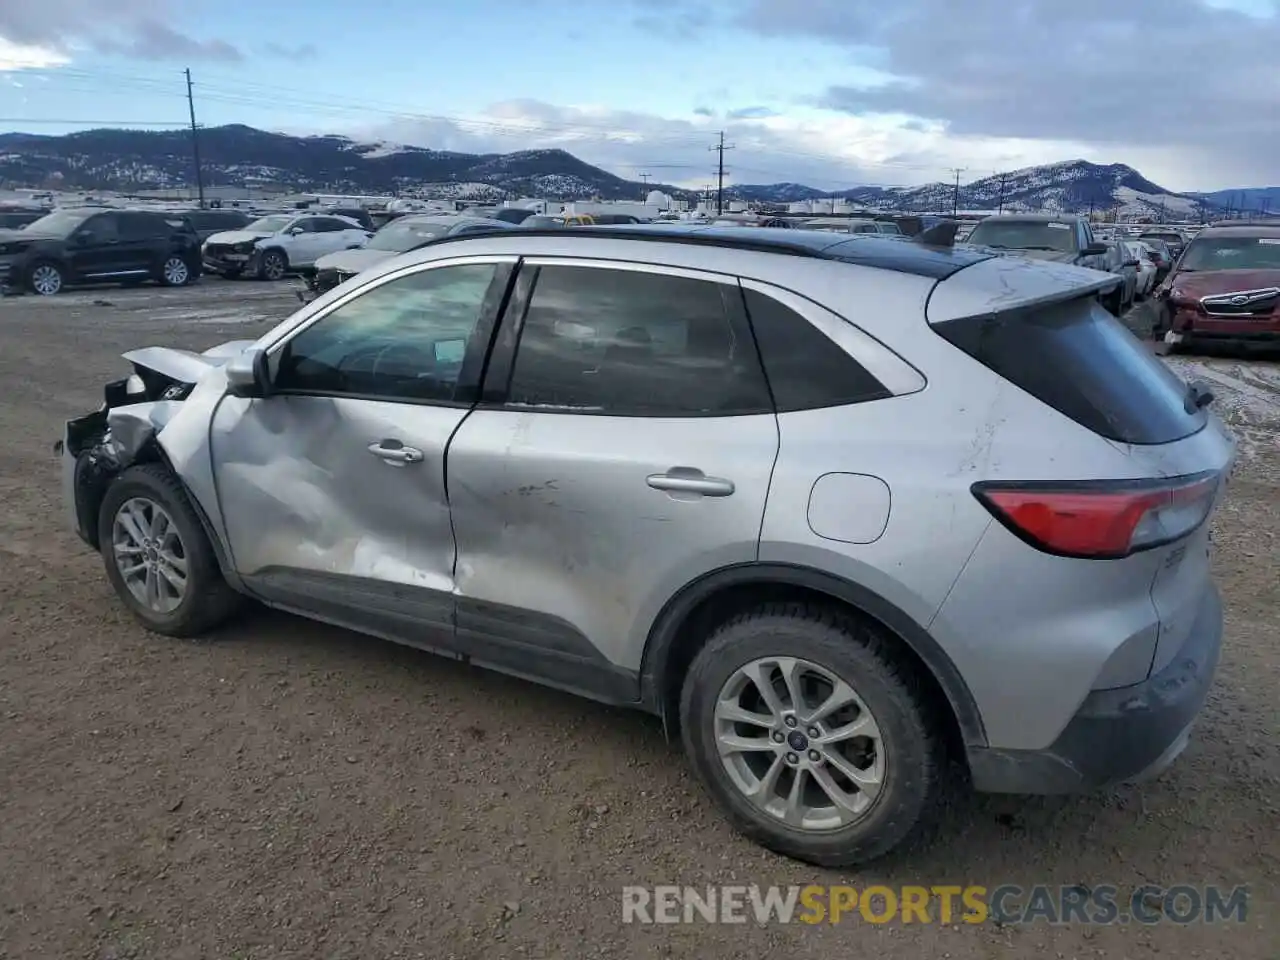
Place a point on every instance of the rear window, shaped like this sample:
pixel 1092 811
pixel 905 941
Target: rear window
pixel 1081 361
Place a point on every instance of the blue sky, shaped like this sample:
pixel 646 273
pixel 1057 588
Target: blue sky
pixel 829 92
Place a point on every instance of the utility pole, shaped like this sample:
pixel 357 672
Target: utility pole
pixel 1000 205
pixel 195 139
pixel 720 148
pixel 955 197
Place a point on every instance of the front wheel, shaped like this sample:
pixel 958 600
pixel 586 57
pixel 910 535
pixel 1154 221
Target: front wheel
pixel 45 279
pixel 813 735
pixel 273 265
pixel 158 556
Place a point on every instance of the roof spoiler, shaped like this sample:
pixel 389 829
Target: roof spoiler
pixel 941 234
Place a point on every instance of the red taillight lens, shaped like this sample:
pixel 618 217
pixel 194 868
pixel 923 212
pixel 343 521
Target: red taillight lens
pixel 1101 520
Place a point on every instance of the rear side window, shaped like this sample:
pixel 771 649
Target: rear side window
pixel 635 344
pixel 806 370
pixel 1081 361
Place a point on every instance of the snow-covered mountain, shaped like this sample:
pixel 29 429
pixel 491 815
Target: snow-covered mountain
pixel 113 159
pixel 236 154
pixel 1074 186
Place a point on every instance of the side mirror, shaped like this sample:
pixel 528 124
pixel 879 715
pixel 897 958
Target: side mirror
pixel 294 231
pixel 247 375
pixel 1094 250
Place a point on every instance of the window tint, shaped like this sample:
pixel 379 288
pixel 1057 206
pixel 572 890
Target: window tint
pixel 139 226
pixel 806 370
pixel 102 228
pixel 628 343
pixel 403 340
pixel 330 225
pixel 1081 361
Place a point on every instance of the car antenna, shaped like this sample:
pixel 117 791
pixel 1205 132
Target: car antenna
pixel 941 234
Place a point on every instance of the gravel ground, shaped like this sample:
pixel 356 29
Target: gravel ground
pixel 294 790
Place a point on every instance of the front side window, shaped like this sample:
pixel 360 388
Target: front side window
pixel 403 340
pixel 629 343
pixel 102 228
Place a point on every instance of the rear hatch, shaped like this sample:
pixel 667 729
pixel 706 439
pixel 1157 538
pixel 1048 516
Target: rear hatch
pixel 1061 348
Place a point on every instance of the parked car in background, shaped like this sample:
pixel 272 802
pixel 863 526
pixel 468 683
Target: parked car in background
pixel 208 222
pixel 744 479
pixel 1063 239
pixel 92 245
pixel 1124 264
pixel 851 225
pixel 15 218
pixel 1162 257
pixel 1224 287
pixel 277 244
pixel 1140 251
pixel 402 234
pixel 1172 239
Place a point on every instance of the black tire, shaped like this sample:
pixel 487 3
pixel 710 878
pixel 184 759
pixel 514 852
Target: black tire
pixel 913 790
pixel 273 265
pixel 208 600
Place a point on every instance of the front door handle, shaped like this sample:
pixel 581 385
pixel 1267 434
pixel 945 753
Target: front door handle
pixel 393 451
pixel 690 480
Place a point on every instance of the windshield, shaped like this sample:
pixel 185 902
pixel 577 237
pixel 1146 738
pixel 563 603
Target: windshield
pixel 60 223
pixel 1025 235
pixel 1232 253
pixel 269 224
pixel 400 235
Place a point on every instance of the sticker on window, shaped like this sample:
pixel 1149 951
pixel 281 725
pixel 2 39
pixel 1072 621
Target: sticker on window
pixel 1058 226
pixel 1269 241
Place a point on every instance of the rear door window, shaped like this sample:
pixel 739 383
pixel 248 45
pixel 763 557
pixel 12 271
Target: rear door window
pixel 1081 361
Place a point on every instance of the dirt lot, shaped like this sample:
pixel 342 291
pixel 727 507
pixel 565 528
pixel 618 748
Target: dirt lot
pixel 292 790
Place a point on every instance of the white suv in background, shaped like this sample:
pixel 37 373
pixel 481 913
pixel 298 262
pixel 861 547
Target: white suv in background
pixel 277 244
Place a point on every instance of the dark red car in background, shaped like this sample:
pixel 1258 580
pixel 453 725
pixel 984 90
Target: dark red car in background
pixel 1224 287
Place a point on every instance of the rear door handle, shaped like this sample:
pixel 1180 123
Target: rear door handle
pixel 393 451
pixel 690 480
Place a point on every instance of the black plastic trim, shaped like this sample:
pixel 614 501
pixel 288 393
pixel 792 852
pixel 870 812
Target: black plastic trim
pixel 666 628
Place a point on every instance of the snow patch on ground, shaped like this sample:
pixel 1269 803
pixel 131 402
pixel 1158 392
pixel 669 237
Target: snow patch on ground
pixel 1246 397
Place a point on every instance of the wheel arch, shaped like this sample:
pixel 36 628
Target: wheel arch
pixel 683 624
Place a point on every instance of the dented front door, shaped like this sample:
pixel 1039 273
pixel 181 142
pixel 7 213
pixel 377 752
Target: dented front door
pixel 332 487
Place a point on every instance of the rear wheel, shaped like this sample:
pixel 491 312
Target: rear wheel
pixel 175 272
pixel 45 279
pixel 158 557
pixel 813 736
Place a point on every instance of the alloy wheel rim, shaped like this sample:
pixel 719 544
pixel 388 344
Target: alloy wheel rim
pixel 46 280
pixel 273 267
pixel 175 271
pixel 799 743
pixel 149 554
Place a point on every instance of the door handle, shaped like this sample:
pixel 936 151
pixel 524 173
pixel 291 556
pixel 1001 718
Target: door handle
pixel 393 451
pixel 690 480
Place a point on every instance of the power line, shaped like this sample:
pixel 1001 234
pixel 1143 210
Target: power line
pixel 104 123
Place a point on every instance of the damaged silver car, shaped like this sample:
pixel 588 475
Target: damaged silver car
pixel 839 509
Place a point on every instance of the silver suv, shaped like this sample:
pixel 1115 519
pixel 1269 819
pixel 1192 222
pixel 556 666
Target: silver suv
pixel 838 509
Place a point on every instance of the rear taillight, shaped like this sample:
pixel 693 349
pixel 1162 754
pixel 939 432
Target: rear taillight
pixel 1101 520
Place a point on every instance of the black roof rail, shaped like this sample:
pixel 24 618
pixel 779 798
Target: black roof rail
pixel 881 251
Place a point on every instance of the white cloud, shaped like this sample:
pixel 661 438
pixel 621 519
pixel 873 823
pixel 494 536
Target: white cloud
pixel 22 56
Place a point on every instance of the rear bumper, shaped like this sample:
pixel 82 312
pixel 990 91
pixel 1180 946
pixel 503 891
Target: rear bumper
pixel 1116 736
